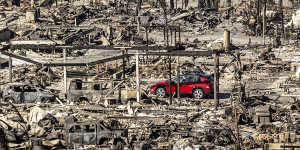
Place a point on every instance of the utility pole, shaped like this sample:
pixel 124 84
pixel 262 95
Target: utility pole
pixel 138 24
pixel 171 4
pixel 170 81
pixel 137 13
pixel 257 15
pixel 264 19
pixel 10 69
pixel 137 77
pixel 178 77
pixel 236 126
pixel 166 27
pixel 216 78
pixel 281 15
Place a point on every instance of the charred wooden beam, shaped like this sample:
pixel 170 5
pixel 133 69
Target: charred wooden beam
pixel 20 58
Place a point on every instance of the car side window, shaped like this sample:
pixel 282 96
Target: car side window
pixel 89 128
pixel 187 79
pixel 77 128
pixel 197 79
pixel 191 78
pixel 183 79
pixel 17 89
pixel 29 89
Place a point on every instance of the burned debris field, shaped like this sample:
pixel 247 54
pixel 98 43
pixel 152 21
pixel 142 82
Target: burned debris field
pixel 149 74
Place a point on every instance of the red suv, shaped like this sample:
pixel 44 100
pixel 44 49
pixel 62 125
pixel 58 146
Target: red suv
pixel 198 85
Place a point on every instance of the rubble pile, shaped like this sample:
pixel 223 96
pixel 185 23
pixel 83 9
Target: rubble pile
pixel 91 74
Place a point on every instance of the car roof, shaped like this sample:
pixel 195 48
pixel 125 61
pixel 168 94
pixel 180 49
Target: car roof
pixel 18 83
pixel 196 73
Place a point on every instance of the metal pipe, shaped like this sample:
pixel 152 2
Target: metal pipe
pixel 10 69
pixel 175 37
pixel 97 68
pixel 65 70
pixel 171 37
pixel 179 35
pixel 137 77
pixel 147 38
pixel 226 42
pixel 123 52
pixel 89 39
pixel 167 36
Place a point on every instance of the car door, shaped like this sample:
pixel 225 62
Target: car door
pixel 186 84
pixel 30 93
pixel 17 93
pixel 89 134
pixel 75 135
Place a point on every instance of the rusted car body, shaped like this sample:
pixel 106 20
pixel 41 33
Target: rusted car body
pixel 79 90
pixel 21 92
pixel 91 133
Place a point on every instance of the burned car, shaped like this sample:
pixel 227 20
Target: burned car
pixel 20 93
pixel 93 133
pixel 80 90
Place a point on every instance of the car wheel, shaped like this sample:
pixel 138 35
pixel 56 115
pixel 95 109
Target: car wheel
pixel 45 100
pixel 118 146
pixel 160 92
pixel 198 93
